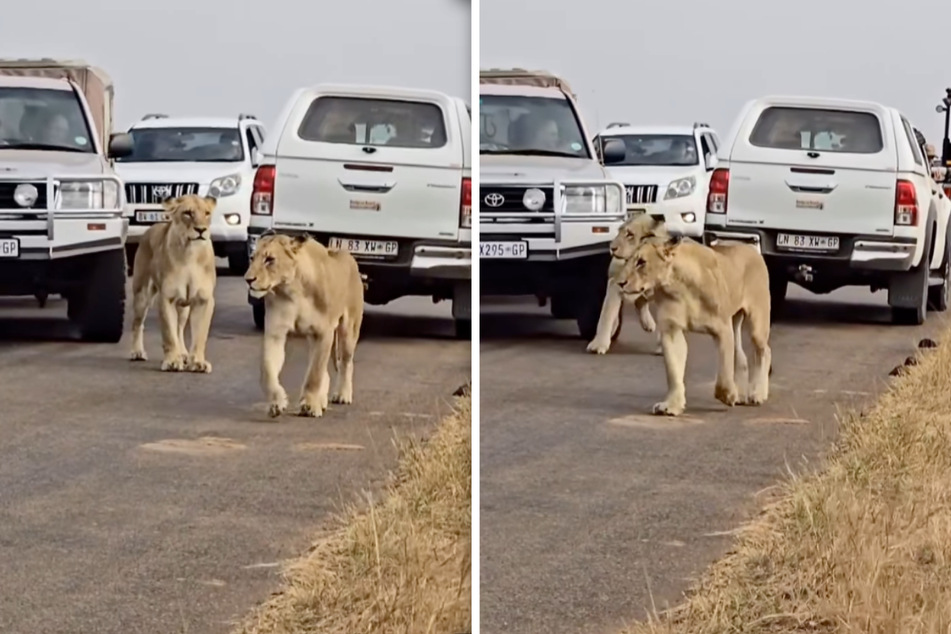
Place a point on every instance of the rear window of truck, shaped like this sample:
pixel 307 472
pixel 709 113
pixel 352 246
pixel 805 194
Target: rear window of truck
pixel 846 131
pixel 361 121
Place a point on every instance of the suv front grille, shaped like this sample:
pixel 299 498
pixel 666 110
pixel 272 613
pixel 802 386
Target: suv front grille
pixel 498 200
pixel 6 195
pixel 641 194
pixel 157 193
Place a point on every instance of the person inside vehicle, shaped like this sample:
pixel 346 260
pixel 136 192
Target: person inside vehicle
pixel 56 131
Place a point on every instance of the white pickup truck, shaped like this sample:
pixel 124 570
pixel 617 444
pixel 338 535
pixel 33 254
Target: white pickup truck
pixel 63 221
pixel 834 193
pixel 382 172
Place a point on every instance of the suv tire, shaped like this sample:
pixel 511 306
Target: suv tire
pixel 938 296
pixel 462 328
pixel 238 262
pixel 914 282
pixel 97 307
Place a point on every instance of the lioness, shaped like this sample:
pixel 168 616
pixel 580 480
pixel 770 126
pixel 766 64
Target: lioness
pixel 307 290
pixel 176 261
pixel 630 235
pixel 716 291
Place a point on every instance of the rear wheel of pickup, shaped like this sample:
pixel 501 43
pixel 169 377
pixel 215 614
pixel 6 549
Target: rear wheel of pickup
pixel 463 328
pixel 778 287
pixel 938 295
pixel 908 292
pixel 97 307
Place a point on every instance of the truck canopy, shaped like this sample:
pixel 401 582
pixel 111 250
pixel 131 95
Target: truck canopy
pixel 94 82
pixel 522 77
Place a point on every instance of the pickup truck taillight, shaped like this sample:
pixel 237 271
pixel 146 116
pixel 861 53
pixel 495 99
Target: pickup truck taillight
pixel 906 204
pixel 465 210
pixel 719 187
pixel 262 196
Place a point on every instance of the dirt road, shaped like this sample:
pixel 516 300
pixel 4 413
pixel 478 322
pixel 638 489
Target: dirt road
pixel 591 509
pixel 116 518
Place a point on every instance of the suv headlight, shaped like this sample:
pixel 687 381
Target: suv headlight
pixel 681 187
pixel 225 186
pixel 80 195
pixel 592 200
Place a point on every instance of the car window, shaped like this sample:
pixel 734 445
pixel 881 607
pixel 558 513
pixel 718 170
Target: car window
pixel 52 118
pixel 362 121
pixel 657 149
pixel 181 145
pixel 529 125
pixel 916 149
pixel 795 128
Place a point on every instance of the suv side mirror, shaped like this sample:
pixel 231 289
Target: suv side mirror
pixel 256 157
pixel 710 162
pixel 120 145
pixel 613 150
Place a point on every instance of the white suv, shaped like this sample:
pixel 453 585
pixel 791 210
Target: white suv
pixel 665 172
pixel 384 173
pixel 174 156
pixel 835 193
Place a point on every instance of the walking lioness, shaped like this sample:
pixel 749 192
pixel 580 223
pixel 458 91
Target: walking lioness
pixel 719 291
pixel 312 291
pixel 176 261
pixel 629 236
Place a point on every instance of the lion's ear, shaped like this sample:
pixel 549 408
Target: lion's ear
pixel 670 246
pixel 298 241
pixel 212 202
pixel 170 204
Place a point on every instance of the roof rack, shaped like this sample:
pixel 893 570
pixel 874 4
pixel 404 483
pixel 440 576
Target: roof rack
pixel 154 115
pixel 523 77
pixel 243 116
pixel 700 125
pixel 618 124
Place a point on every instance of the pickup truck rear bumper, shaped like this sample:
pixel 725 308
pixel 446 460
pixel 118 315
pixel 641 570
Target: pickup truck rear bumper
pixel 860 252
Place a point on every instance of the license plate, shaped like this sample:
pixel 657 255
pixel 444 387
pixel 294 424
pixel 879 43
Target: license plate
pixel 811 243
pixel 383 248
pixel 503 250
pixel 9 248
pixel 151 216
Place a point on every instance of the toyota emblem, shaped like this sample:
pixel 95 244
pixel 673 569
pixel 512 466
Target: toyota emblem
pixel 494 200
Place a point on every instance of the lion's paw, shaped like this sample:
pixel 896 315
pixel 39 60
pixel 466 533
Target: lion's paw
pixel 307 410
pixel 199 365
pixel 726 394
pixel 138 355
pixel 275 409
pixel 666 409
pixel 341 398
pixel 175 364
pixel 598 347
pixel 658 350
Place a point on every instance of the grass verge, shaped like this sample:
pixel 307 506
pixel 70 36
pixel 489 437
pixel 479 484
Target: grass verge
pixel 864 545
pixel 400 564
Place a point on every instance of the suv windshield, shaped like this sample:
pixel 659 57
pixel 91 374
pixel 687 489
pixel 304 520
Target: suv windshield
pixel 43 119
pixel 657 149
pixel 788 128
pixel 513 124
pixel 180 145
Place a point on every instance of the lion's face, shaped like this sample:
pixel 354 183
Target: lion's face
pixel 633 232
pixel 273 264
pixel 192 214
pixel 647 267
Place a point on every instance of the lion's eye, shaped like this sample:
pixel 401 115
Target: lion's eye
pixel 269 260
pixel 188 215
pixel 640 262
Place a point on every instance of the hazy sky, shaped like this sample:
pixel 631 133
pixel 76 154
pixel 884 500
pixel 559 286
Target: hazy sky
pixel 216 57
pixel 680 61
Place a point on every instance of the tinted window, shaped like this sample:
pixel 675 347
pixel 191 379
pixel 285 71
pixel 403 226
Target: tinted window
pixel 917 141
pixel 52 118
pixel 529 125
pixel 358 121
pixel 178 145
pixel 657 149
pixel 788 128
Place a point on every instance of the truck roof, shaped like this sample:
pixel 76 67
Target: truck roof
pixel 650 129
pixel 820 102
pixel 187 122
pixel 523 77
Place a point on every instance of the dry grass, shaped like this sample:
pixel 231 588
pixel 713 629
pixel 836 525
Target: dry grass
pixel 862 546
pixel 396 565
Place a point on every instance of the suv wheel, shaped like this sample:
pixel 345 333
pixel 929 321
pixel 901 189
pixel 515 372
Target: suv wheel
pixel 915 285
pixel 778 287
pixel 257 313
pixel 463 328
pixel 98 306
pixel 938 296
pixel 238 262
